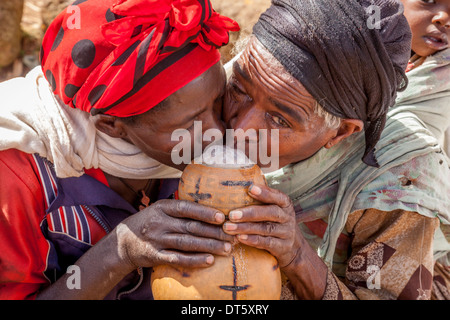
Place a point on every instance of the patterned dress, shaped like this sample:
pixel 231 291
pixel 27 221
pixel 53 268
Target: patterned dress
pixel 384 233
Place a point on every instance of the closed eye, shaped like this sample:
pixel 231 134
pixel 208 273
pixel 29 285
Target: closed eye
pixel 237 90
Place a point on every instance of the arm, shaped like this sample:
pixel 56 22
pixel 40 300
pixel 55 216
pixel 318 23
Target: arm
pixel 402 239
pixel 168 232
pixel 101 268
pixel 24 249
pixel 157 235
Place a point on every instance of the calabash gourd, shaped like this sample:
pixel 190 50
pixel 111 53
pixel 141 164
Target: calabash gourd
pixel 247 273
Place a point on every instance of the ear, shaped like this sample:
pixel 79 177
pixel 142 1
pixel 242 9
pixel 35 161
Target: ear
pixel 110 125
pixel 346 129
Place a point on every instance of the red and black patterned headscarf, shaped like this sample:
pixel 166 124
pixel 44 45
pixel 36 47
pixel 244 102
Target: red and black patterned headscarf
pixel 123 57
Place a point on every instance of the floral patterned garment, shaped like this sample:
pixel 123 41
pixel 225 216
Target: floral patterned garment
pixel 394 215
pixel 376 258
pixel 385 263
pixel 414 175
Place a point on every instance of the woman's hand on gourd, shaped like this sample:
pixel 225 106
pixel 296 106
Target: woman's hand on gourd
pixel 270 226
pixel 174 232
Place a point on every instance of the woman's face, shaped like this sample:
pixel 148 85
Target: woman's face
pixel 430 25
pixel 260 96
pixel 200 100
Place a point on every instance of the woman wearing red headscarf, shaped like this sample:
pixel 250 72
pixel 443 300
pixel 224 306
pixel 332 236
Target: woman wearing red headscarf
pixel 85 139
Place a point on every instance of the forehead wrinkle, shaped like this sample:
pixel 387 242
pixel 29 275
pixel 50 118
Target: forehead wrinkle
pixel 271 78
pixel 268 80
pixel 237 68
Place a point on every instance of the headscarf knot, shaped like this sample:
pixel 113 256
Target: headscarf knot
pixel 187 20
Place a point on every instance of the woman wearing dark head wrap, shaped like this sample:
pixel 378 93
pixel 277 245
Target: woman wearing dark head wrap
pixel 361 185
pixel 85 138
pixel 360 69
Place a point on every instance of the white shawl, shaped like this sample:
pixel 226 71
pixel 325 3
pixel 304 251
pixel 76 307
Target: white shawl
pixel 32 120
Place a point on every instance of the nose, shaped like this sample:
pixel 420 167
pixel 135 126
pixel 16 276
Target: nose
pixel 217 124
pixel 442 18
pixel 215 127
pixel 246 117
pixel 230 109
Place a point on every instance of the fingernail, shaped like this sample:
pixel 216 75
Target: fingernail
pixel 230 226
pixel 220 217
pixel 243 237
pixel 227 247
pixel 235 215
pixel 255 190
pixel 209 260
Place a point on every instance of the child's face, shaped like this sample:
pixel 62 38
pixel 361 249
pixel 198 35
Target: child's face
pixel 430 25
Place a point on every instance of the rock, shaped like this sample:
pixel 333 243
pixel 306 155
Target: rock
pixel 30 61
pixel 245 12
pixel 51 8
pixel 10 36
pixel 32 24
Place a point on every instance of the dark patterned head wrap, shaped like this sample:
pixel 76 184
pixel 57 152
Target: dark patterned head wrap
pixel 123 57
pixel 352 63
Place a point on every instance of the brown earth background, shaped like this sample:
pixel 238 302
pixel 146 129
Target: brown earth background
pixel 24 22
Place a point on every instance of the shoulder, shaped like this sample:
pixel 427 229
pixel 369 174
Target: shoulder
pixel 14 156
pixel 20 183
pixel 19 169
pixel 420 184
pixel 25 251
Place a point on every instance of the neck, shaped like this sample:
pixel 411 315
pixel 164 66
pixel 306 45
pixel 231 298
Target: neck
pixel 130 189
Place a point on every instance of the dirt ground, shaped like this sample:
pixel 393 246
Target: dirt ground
pixel 37 14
